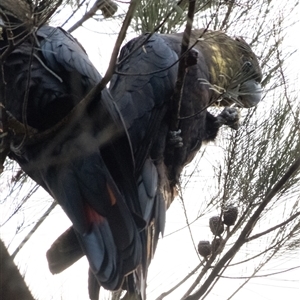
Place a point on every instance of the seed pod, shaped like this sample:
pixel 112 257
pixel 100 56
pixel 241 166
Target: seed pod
pixel 216 225
pixel 204 248
pixel 230 215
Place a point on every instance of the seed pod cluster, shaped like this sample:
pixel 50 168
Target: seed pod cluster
pixel 204 248
pixel 216 225
pixel 230 215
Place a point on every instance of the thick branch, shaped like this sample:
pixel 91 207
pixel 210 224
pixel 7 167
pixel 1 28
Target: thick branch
pixel 165 294
pixel 12 284
pixel 34 229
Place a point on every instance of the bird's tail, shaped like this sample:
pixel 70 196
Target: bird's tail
pixel 119 230
pixel 112 246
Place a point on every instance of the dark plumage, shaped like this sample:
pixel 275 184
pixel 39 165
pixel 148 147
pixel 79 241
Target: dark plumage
pixel 144 84
pixel 142 88
pixel 76 164
pixel 118 206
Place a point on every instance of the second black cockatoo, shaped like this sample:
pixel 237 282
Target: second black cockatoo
pixel 227 72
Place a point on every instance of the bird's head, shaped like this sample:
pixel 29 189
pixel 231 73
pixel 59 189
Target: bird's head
pixel 244 88
pixel 235 74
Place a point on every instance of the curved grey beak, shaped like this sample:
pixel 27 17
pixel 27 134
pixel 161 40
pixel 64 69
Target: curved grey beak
pixel 250 93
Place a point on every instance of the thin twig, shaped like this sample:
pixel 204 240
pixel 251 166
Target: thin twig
pixel 228 13
pixel 260 253
pixel 100 4
pixel 254 272
pixel 21 204
pixel 258 235
pixel 285 86
pixel 187 221
pixel 34 229
pixel 165 294
pixel 156 29
pixel 73 13
pixel 263 275
pixel 25 101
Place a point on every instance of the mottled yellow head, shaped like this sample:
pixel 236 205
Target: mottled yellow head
pixel 234 70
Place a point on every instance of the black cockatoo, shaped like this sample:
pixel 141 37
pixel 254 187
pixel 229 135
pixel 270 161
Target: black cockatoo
pixel 227 72
pixel 86 162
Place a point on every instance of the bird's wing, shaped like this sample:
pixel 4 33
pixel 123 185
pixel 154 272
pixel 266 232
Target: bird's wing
pixel 63 53
pixel 66 249
pixel 76 165
pixel 142 88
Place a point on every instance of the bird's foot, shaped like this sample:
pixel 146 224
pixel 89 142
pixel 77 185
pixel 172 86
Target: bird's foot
pixel 192 58
pixel 229 116
pixel 174 138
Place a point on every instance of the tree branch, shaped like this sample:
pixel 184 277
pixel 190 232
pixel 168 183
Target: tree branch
pixel 34 229
pixel 107 7
pixel 263 275
pixel 246 231
pixel 12 284
pixel 120 39
pixel 165 294
pixel 176 99
pixel 258 235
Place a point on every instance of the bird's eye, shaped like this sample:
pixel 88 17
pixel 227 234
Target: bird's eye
pixel 247 66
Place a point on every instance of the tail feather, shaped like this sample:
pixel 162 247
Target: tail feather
pixel 112 246
pixel 122 244
pixel 100 249
pixel 154 209
pixel 64 252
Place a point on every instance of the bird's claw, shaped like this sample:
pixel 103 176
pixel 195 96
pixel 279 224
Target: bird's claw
pixel 229 116
pixel 192 58
pixel 175 139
